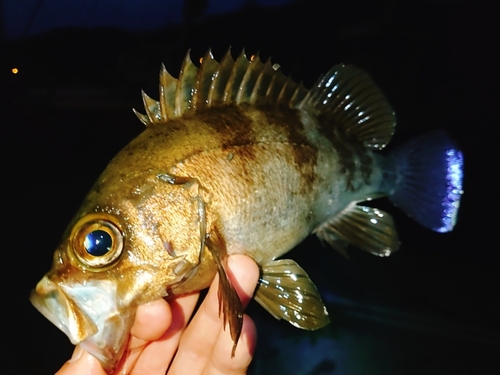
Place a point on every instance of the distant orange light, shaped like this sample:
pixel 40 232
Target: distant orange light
pixel 15 70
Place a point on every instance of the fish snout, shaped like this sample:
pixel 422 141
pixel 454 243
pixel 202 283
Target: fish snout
pixel 55 305
pixel 89 314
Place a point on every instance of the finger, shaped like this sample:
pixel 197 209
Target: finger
pixel 157 355
pixel 151 321
pixel 190 352
pixel 200 336
pixel 81 363
pixel 222 362
pixel 243 273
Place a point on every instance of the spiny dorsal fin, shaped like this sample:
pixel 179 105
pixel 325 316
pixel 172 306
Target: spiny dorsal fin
pixel 234 82
pixel 220 78
pixel 241 81
pixel 206 76
pixel 249 80
pixel 347 96
pixel 185 84
pixel 167 93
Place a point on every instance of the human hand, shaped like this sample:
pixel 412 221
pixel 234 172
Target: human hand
pixel 161 338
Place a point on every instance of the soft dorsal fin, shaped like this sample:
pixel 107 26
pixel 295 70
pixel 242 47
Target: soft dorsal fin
pixel 348 97
pixel 229 82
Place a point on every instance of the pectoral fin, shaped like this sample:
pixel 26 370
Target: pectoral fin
pixel 229 302
pixel 367 228
pixel 287 293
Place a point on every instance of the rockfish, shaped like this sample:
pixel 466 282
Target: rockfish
pixel 236 158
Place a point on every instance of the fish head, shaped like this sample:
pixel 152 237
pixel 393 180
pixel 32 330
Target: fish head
pixel 135 245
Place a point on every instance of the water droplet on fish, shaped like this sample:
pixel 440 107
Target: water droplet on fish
pixel 384 253
pixel 165 177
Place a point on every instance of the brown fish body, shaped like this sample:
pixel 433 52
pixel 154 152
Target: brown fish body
pixel 267 180
pixel 249 163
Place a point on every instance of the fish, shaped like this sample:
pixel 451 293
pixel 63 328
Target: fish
pixel 237 158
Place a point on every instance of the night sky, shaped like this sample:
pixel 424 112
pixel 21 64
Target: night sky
pixel 67 112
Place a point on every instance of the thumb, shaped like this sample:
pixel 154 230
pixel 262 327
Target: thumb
pixel 81 363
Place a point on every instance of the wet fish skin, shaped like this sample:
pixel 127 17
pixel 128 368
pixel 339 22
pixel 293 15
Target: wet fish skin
pixel 236 158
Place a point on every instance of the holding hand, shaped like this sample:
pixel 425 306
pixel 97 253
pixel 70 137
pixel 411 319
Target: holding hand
pixel 161 340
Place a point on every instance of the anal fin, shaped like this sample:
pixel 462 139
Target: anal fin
pixel 367 228
pixel 338 243
pixel 229 302
pixel 287 293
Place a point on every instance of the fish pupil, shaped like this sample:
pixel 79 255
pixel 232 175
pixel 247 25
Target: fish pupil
pixel 98 243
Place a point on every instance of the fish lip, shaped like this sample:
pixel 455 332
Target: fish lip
pixel 88 314
pixel 60 311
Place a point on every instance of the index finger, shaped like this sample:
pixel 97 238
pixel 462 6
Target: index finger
pixel 202 333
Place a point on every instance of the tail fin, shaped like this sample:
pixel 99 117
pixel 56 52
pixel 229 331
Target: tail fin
pixel 429 182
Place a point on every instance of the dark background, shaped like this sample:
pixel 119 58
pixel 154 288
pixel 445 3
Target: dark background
pixel 430 308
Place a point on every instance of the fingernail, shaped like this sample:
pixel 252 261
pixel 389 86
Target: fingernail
pixel 77 353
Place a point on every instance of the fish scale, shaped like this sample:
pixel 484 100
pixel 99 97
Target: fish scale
pixel 238 158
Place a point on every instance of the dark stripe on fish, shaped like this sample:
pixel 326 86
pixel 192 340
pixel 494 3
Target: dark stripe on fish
pixel 305 154
pixel 349 149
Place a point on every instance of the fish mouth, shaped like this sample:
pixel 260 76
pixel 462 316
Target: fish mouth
pixel 88 314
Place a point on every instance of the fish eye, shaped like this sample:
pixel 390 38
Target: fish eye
pixel 96 241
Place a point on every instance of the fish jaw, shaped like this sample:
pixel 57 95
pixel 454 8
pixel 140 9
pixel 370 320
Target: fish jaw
pixel 89 315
